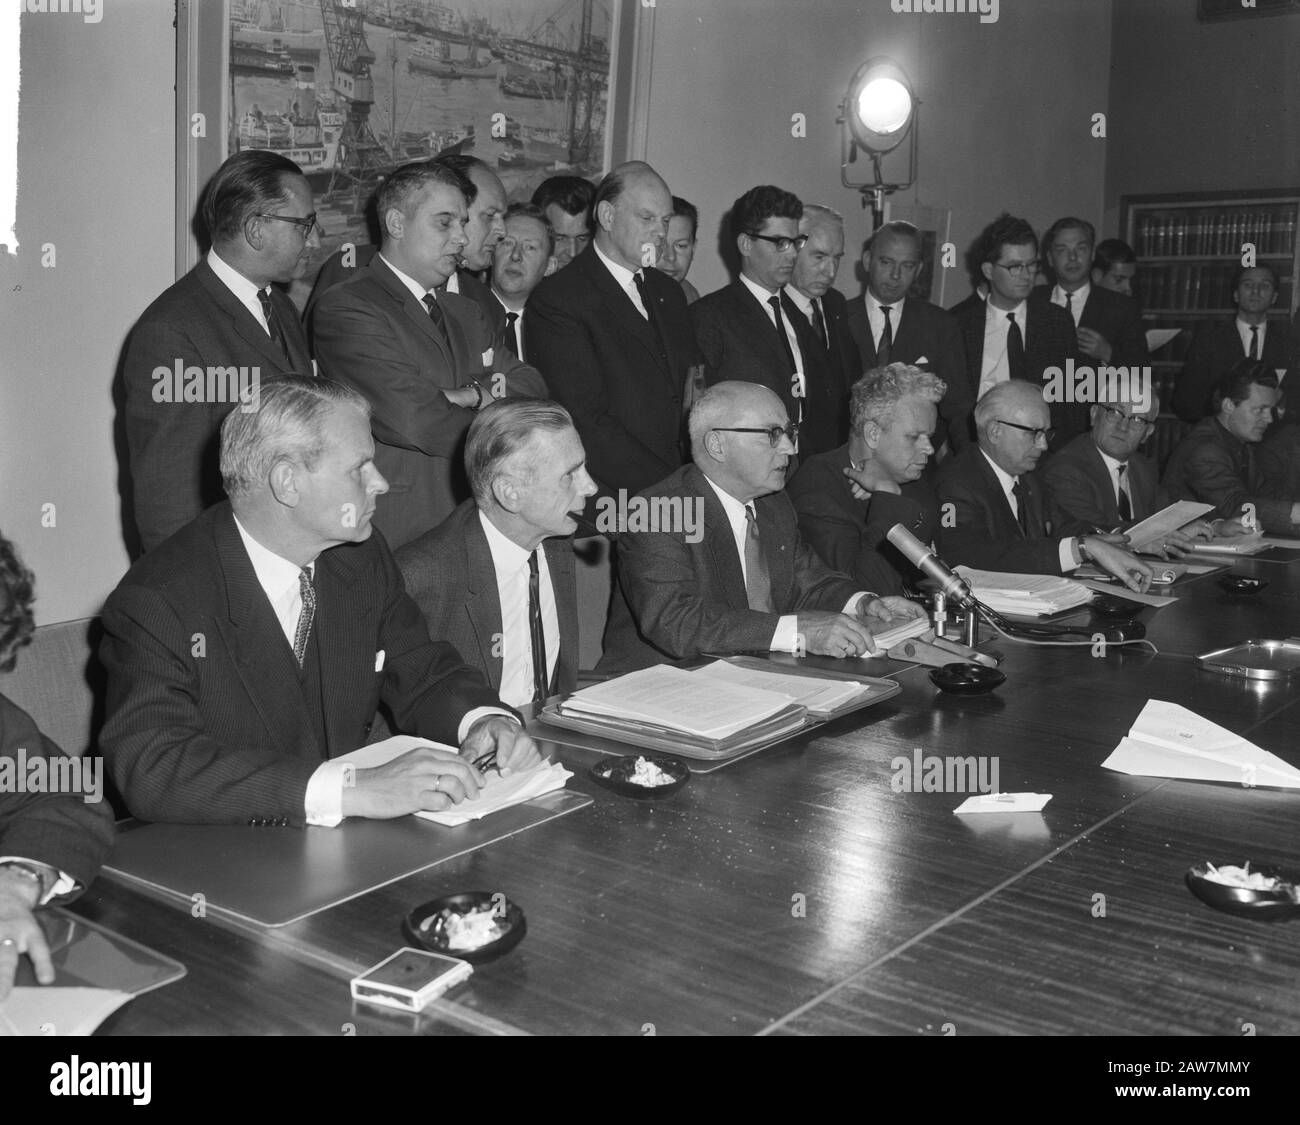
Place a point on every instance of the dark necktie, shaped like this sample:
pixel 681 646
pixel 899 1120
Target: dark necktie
pixel 308 614
pixel 1254 342
pixel 1123 503
pixel 536 631
pixel 1015 348
pixel 819 324
pixel 775 302
pixel 650 311
pixel 512 335
pixel 436 314
pixel 1022 506
pixel 273 322
pixel 758 582
pixel 1069 304
pixel 886 338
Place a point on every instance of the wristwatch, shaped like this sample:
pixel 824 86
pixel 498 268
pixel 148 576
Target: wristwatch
pixel 1085 555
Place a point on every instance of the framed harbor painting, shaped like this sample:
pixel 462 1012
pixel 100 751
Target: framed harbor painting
pixel 350 89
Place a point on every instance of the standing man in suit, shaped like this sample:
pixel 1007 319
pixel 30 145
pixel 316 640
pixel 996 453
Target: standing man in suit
pixel 426 362
pixel 1108 324
pixel 256 644
pixel 894 411
pixel 745 329
pixel 734 574
pixel 891 327
pixel 496 578
pixel 521 259
pixel 1008 337
pixel 829 351
pixel 613 339
pixel 224 318
pixel 566 202
pixel 52 840
pixel 1219 345
pixel 1114 266
pixel 679 246
pixel 994 513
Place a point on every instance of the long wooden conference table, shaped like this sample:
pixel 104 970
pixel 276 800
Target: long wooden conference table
pixel 797 892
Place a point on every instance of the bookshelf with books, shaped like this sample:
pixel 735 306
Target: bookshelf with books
pixel 1189 246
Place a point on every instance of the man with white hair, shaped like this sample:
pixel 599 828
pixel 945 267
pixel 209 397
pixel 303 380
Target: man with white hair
pixel 731 572
pixel 894 413
pixel 992 506
pixel 255 644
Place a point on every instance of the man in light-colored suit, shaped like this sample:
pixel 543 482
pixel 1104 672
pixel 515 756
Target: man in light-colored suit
pixel 730 571
pixel 426 362
pixel 500 567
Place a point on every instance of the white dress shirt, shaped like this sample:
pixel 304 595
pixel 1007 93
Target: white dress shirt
pixel 246 293
pixel 996 366
pixel 625 278
pixel 1243 331
pixel 515 329
pixel 1077 300
pixel 1066 552
pixel 762 296
pixel 876 318
pixel 510 561
pixel 1113 467
pixel 418 291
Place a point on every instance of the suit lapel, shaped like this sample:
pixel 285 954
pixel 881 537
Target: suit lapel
pixel 342 625
pixel 773 537
pixel 718 540
pixel 994 485
pixel 559 558
pixel 415 313
pixel 242 321
pixel 482 599
pixel 620 305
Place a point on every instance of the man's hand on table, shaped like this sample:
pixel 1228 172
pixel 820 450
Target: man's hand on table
pixel 20 933
pixel 421 779
pixel 514 749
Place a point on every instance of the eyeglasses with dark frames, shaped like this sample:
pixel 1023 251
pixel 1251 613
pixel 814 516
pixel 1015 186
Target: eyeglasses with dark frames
pixel 307 224
pixel 1036 434
pixel 1128 420
pixel 1020 269
pixel 781 242
pixel 774 433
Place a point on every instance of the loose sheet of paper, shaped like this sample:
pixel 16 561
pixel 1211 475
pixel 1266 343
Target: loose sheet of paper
pixel 58 1011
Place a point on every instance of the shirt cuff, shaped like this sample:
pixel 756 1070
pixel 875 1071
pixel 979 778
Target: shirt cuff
pixel 786 637
pixel 324 800
pixel 851 606
pixel 65 884
pixel 472 717
pixel 1069 553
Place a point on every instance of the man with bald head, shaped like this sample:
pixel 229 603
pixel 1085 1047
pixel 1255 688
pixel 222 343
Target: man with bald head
pixel 992 507
pixel 611 336
pixel 722 566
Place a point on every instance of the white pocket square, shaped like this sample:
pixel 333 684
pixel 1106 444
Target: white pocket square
pixel 923 359
pixel 379 660
pixel 487 358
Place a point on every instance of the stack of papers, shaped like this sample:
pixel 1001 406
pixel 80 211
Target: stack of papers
pixel 1025 595
pixel 1232 545
pixel 896 629
pixel 819 695
pixel 1167 740
pixel 498 792
pixel 1155 529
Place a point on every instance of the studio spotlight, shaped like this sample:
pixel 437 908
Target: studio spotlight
pixel 877 114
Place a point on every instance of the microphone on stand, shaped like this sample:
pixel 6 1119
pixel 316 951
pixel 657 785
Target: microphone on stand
pixel 954 587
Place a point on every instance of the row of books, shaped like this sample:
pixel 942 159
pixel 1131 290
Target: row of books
pixel 1188 231
pixel 1201 286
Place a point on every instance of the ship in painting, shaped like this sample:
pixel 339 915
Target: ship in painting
pixel 258 27
pixel 307 132
pixel 438 62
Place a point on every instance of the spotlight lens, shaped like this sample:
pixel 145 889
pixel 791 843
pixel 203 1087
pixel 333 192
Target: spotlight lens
pixel 884 105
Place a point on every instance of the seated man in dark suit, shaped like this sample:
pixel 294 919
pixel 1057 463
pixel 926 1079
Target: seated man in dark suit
pixel 426 362
pixel 832 362
pixel 1010 337
pixel 1219 345
pixel 1101 483
pixel 746 330
pixel 485 227
pixel 210 341
pixel 1216 464
pixel 1109 325
pixel 613 339
pixel 256 644
pixel 731 572
pixel 53 837
pixel 991 502
pixel 894 411
pixel 891 327
pixel 496 578
pixel 566 202
pixel 521 259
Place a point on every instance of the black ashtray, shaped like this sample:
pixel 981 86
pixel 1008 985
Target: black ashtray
pixel 1241 585
pixel 427 925
pixel 967 679
pixel 1108 605
pixel 1275 905
pixel 617 773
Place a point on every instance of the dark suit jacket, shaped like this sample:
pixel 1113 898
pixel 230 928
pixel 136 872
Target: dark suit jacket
pixel 739 341
pixel 207 721
pixel 981 531
pixel 828 374
pixel 1279 462
pixel 59 829
pixel 450 576
pixel 1215 350
pixel 678 599
pixel 1050 339
pixel 1112 315
pixel 1212 466
pixel 603 363
pixel 371 333
pixel 173 446
pixel 849 534
pixel 334 272
pixel 1081 489
pixel 924 331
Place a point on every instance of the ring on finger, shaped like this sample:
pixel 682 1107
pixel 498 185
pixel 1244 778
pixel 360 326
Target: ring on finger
pixel 8 941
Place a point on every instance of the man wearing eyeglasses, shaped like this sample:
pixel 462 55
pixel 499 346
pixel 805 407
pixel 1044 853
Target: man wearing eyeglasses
pixel 746 330
pixel 1009 337
pixel 1100 482
pixel 221 331
pixel 733 574
pixel 992 508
